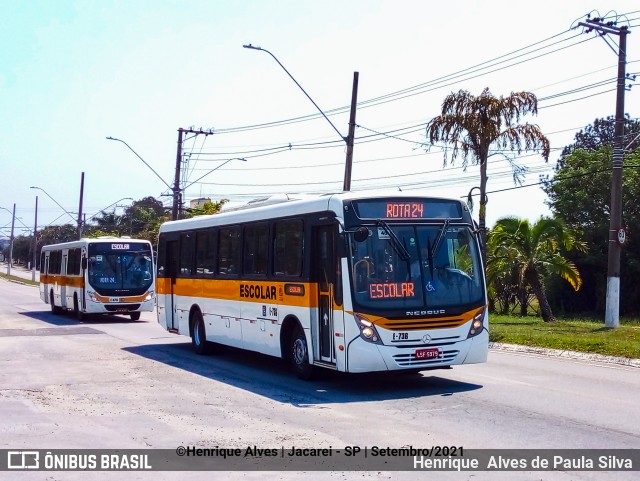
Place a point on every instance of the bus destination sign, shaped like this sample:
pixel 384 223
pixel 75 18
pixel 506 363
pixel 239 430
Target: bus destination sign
pixel 405 210
pixel 408 209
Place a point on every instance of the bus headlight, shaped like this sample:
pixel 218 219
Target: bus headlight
pixel 477 324
pixel 367 330
pixel 150 295
pixel 93 296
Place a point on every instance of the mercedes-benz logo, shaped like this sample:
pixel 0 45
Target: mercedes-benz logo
pixel 426 339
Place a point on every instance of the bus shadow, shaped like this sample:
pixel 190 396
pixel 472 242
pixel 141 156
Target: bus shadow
pixel 67 318
pixel 270 377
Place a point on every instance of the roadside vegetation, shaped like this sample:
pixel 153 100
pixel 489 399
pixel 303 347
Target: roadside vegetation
pixel 17 279
pixel 573 335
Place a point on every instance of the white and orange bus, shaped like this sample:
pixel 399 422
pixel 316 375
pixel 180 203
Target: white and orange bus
pixel 347 282
pixel 105 275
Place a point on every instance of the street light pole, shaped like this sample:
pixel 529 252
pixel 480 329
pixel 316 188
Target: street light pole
pixel 352 128
pixel 35 244
pixel 80 206
pixel 349 140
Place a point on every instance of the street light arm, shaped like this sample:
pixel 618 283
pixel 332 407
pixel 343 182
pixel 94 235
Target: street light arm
pixel 102 210
pixel 249 46
pixel 203 176
pixel 145 163
pixel 68 213
pixel 18 218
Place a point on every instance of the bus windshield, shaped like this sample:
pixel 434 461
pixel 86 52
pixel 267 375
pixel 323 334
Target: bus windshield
pixel 442 270
pixel 120 268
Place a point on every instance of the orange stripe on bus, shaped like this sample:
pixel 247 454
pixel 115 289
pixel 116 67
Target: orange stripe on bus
pixel 71 281
pixel 264 292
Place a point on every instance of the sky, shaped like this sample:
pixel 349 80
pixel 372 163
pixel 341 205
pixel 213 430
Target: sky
pixel 73 73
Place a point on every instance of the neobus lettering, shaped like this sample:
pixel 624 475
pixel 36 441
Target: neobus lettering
pixel 257 291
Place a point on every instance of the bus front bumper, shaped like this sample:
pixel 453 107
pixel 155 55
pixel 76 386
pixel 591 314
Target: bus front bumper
pixel 364 356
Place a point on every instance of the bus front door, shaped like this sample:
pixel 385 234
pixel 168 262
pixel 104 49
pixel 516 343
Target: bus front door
pixel 324 274
pixel 63 281
pixel 172 267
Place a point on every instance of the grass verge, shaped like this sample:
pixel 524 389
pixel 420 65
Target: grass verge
pixel 572 335
pixel 18 279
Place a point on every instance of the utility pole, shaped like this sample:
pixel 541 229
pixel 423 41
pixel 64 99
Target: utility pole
pixel 177 191
pixel 13 223
pixel 80 206
pixel 616 229
pixel 352 127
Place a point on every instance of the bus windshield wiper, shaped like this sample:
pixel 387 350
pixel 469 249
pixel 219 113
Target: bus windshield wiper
pixel 395 242
pixel 438 241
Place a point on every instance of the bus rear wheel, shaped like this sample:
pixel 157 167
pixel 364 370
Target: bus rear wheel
pixel 299 355
pixel 135 316
pixel 199 334
pixel 80 316
pixel 54 309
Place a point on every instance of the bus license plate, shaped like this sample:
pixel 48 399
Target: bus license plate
pixel 431 353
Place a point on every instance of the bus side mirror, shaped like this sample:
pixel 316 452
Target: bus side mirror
pixel 84 262
pixel 361 234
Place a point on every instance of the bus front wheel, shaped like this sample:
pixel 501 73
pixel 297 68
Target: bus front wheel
pixel 199 335
pixel 135 316
pixel 299 353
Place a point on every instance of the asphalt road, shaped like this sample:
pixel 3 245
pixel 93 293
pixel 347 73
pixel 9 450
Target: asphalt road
pixel 116 384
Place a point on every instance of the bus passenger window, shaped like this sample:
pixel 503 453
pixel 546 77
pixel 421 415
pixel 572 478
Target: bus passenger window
pixel 287 251
pixel 229 251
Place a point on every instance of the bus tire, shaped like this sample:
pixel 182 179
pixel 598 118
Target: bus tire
pixel 299 354
pixel 135 316
pixel 199 334
pixel 77 312
pixel 54 309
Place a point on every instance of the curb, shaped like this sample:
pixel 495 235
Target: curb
pixel 582 356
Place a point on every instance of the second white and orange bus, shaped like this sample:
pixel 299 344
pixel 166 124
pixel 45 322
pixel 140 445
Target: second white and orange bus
pixel 105 275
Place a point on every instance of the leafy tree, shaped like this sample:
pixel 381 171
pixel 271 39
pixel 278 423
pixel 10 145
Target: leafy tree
pixel 503 285
pixel 57 233
pixel 533 251
pixel 474 125
pixel 107 223
pixel 208 208
pixel 142 215
pixel 140 220
pixel 23 249
pixel 602 133
pixel 580 193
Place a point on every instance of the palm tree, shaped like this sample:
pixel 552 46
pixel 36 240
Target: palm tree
pixel 503 285
pixel 534 252
pixel 475 125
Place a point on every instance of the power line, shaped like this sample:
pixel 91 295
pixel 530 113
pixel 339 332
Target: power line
pixel 421 88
